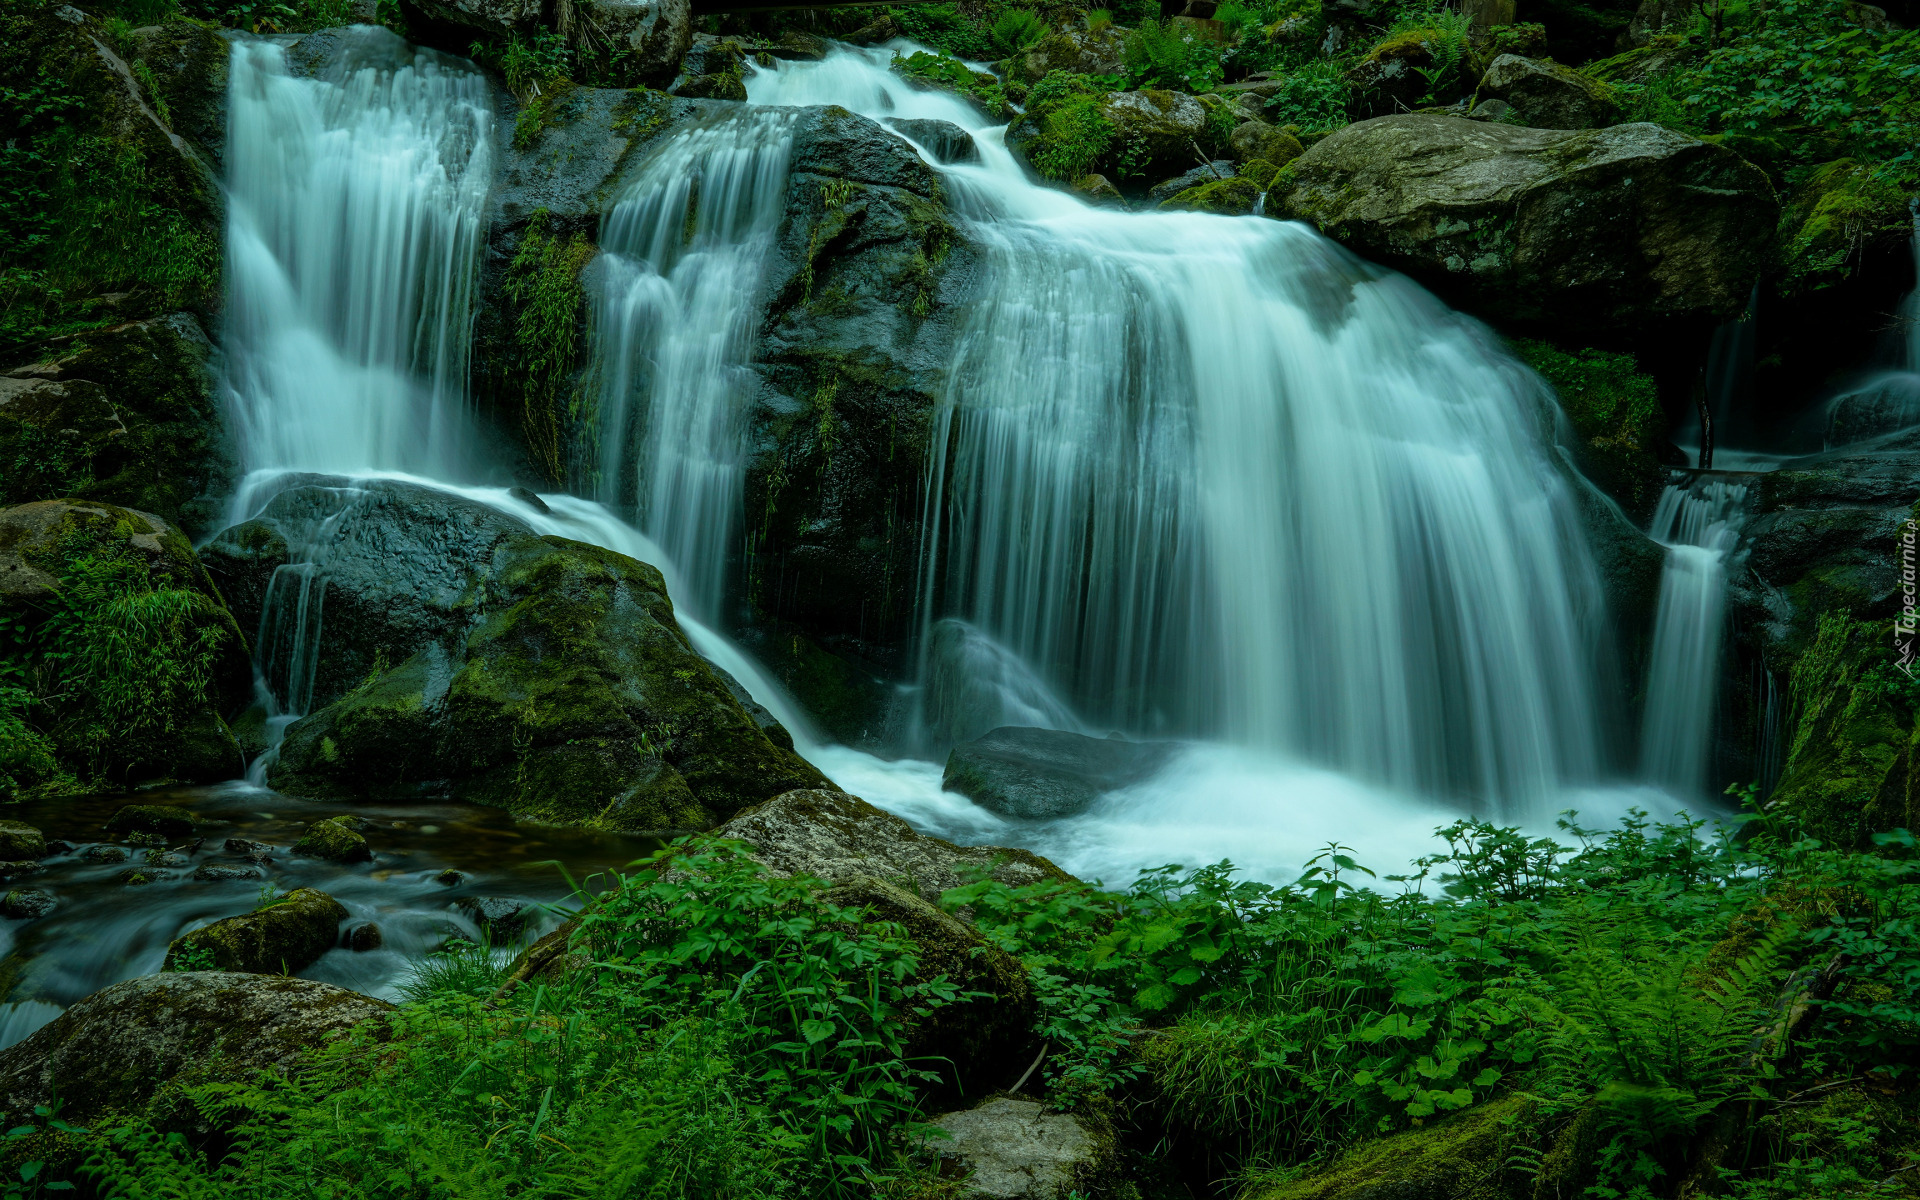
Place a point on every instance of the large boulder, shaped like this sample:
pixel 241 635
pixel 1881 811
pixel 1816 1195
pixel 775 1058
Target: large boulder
pixel 834 836
pixel 1585 230
pixel 126 1046
pixel 1546 95
pixel 283 938
pixel 1013 1149
pixel 151 659
pixel 126 415
pixel 1075 51
pixel 462 654
pixel 649 37
pixel 1133 138
pixel 1039 774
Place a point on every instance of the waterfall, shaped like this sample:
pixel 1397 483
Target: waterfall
pixel 676 305
pixel 354 223
pixel 1215 476
pixel 1888 400
pixel 1699 524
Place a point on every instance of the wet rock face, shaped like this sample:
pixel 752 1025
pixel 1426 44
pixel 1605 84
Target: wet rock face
pixel 1008 1149
pixel 1588 230
pixel 834 836
pixel 119 1048
pixel 125 415
pixel 479 660
pixel 945 141
pixel 1546 95
pixel 1039 774
pixel 283 938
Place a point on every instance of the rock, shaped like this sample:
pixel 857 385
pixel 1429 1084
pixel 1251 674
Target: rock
pixel 178 732
pixel 545 676
pixel 450 878
pixel 142 876
pixel 1039 774
pixel 283 938
pixel 19 840
pixel 502 918
pixel 1008 1149
pixel 335 840
pixel 104 853
pixel 1228 197
pixel 223 873
pixel 1074 51
pixel 834 836
pixel 1097 190
pixel 162 819
pixel 649 36
pixel 24 904
pixel 725 86
pixel 976 1045
pixel 365 937
pixel 1214 172
pixel 250 848
pixel 945 141
pixel 57 848
pixel 1257 140
pixel 10 871
pixel 1592 229
pixel 124 415
pixel 496 18
pixel 121 1047
pixel 1657 17
pixel 1498 111
pixel 1839 217
pixel 1546 95
pixel 1164 126
pixel 1149 134
pixel 165 858
pixel 1465 1154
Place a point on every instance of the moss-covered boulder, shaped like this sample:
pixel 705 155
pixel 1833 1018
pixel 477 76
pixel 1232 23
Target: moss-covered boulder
pixel 834 836
pixel 1230 197
pixel 283 938
pixel 975 1045
pixel 126 206
pixel 1406 69
pixel 1615 411
pixel 1131 137
pixel 1615 228
pixel 1074 51
pixel 1256 141
pixel 1464 1157
pixel 495 665
pixel 1546 95
pixel 333 839
pixel 162 819
pixel 126 415
pixel 137 656
pixel 20 841
pixel 131 1047
pixel 1836 216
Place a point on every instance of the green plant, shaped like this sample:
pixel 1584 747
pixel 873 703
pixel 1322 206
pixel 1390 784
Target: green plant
pixel 1160 54
pixel 1099 20
pixel 459 968
pixel 1016 30
pixel 1313 98
pixel 543 287
pixel 193 957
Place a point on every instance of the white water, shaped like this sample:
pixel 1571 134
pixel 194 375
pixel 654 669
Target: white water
pixel 1699 524
pixel 1215 476
pixel 1886 401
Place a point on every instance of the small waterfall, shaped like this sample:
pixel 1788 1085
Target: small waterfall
pixel 1888 400
pixel 1699 523
pixel 678 300
pixel 1216 476
pixel 354 224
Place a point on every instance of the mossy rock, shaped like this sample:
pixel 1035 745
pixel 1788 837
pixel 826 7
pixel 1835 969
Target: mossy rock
pixel 1462 1157
pixel 20 841
pixel 129 1048
pixel 1836 215
pixel 1615 410
pixel 163 819
pixel 1228 197
pixel 281 939
pixel 972 1043
pixel 1850 769
pixel 334 840
pixel 1546 95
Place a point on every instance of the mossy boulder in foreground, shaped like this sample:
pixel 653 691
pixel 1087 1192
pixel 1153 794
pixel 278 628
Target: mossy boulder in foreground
pixel 1582 230
pixel 127 1047
pixel 285 937
pixel 494 665
pixel 1462 1157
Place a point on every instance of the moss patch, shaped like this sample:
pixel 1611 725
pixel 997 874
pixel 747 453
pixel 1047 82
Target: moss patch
pixel 281 939
pixel 1461 1158
pixel 1616 411
pixel 542 286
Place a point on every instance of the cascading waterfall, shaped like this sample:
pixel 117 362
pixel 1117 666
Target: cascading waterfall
pixel 1699 523
pixel 1888 400
pixel 678 298
pixel 1216 476
pixel 354 224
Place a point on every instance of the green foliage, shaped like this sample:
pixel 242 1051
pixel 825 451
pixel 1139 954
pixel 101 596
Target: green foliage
pixel 1614 409
pixel 1099 20
pixel 1313 98
pixel 460 968
pixel 197 956
pixel 946 73
pixel 530 67
pixel 1016 30
pixel 543 287
pixel 1072 138
pixel 1160 54
pixel 945 27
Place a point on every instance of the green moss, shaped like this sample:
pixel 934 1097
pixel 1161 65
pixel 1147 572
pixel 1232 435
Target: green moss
pixel 1616 411
pixel 279 940
pixel 162 819
pixel 1834 213
pixel 1464 1157
pixel 543 287
pixel 1230 197
pixel 550 107
pixel 1849 769
pixel 333 839
pixel 940 72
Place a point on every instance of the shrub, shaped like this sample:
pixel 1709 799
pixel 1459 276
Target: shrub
pixel 1161 55
pixel 1016 30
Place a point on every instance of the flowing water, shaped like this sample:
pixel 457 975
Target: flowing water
pixel 1699 522
pixel 1886 401
pixel 1195 476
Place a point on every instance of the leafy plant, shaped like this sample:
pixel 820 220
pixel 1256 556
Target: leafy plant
pixel 1160 54
pixel 1016 30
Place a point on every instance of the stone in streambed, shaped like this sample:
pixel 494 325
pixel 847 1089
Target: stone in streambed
pixel 363 938
pixel 162 819
pixel 223 873
pixel 1039 774
pixel 285 937
pixel 947 142
pixel 333 839
pixel 503 918
pixel 19 840
pixel 24 904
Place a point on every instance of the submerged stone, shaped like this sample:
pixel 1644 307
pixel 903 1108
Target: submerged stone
pixel 24 904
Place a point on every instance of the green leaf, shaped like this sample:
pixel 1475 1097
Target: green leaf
pixel 816 1031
